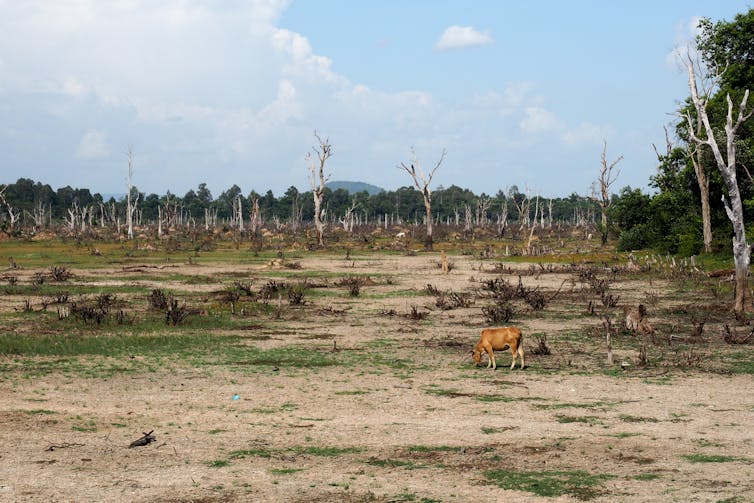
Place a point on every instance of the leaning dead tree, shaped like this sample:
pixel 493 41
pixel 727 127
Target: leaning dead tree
pixel 317 180
pixel 130 205
pixel 13 213
pixel 726 165
pixel 422 181
pixel 606 179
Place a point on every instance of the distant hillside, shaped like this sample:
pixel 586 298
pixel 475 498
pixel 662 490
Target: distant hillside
pixel 354 187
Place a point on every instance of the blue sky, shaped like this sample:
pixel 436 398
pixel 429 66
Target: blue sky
pixel 519 93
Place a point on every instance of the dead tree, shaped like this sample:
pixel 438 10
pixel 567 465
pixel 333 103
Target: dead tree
pixel 482 207
pixel 13 213
pixel 254 219
pixel 130 205
pixel 317 180
pixel 422 181
pixel 210 218
pixel 38 214
pixel 727 169
pixel 607 322
pixel 503 219
pixel 238 212
pixel 606 179
pixel 523 210
pixel 348 218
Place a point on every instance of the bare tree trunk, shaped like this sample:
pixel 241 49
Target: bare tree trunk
pixel 605 180
pixel 254 217
pixel 129 208
pixel 317 180
pixel 727 168
pixel 422 181
pixel 703 181
pixel 503 218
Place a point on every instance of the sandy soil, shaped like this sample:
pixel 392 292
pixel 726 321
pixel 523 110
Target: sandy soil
pixel 428 433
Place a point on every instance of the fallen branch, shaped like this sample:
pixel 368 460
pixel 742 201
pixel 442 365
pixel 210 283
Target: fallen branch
pixel 145 440
pixel 64 445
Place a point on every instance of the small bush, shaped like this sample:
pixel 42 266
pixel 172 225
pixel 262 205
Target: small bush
pixel 272 289
pixel 157 299
pixel 501 312
pixel 59 273
pixel 353 283
pixel 175 314
pixel 635 238
pixel 296 294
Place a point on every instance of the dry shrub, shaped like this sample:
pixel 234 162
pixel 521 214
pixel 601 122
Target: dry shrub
pixel 542 349
pixel 415 314
pixel 157 299
pixel 175 314
pixel 60 273
pixel 500 312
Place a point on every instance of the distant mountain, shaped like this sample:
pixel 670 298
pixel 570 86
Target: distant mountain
pixel 354 187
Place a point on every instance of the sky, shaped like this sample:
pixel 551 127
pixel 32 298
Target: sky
pixel 232 92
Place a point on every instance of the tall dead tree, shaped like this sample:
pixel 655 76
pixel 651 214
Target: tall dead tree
pixel 726 165
pixel 130 205
pixel 238 212
pixel 503 218
pixel 422 181
pixel 606 179
pixel 13 213
pixel 348 219
pixel 254 218
pixel 317 180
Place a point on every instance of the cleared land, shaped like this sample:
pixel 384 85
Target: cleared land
pixel 328 376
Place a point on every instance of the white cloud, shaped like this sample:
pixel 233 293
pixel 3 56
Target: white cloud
pixel 684 43
pixel 539 120
pixel 585 133
pixel 217 92
pixel 459 37
pixel 93 146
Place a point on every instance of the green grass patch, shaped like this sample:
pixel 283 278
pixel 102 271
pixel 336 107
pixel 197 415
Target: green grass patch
pixel 741 362
pixel 395 463
pixel 247 453
pixel 589 405
pixel 623 434
pixel 636 419
pixel 218 463
pixel 432 448
pixel 285 471
pixel 195 347
pixel 39 411
pixel 579 484
pixel 562 418
pixel 325 451
pixel 711 458
pixel 488 431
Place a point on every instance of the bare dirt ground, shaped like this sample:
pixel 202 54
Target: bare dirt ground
pixel 401 414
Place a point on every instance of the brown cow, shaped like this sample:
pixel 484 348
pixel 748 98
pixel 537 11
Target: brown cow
pixel 493 339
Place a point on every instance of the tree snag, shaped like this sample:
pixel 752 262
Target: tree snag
pixel 422 181
pixel 317 180
pixel 606 179
pixel 727 169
